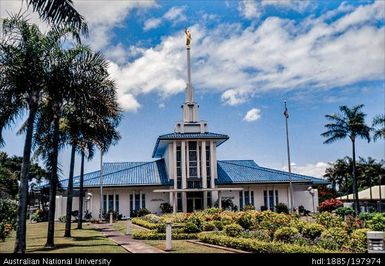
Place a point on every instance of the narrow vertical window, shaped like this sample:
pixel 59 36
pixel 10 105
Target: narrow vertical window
pixel 265 199
pixel 110 202
pixel 247 198
pixel 137 201
pixel 252 198
pixel 276 197
pixel 143 200
pixel 117 202
pixel 105 203
pixel 240 200
pixel 131 203
pixel 271 199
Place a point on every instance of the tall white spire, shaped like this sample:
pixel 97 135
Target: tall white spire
pixel 190 123
pixel 190 108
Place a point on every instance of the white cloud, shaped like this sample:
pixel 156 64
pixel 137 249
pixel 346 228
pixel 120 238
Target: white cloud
pixel 315 170
pixel 174 14
pixel 235 96
pixel 151 23
pixel 253 9
pixel 252 115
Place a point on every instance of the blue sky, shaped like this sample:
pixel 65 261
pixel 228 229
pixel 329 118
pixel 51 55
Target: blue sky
pixel 247 58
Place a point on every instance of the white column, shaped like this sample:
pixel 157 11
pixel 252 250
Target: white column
pixel 203 165
pixel 268 198
pixel 175 202
pixel 274 203
pixel 129 207
pixel 219 200
pixel 133 200
pixel 214 194
pixel 288 197
pixel 184 177
pixel 107 203
pixel 174 144
pixel 140 199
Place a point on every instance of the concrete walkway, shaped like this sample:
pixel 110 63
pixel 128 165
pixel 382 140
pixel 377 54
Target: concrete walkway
pixel 126 241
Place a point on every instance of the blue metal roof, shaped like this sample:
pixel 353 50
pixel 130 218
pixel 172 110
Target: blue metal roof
pixel 248 172
pixel 125 174
pixel 163 140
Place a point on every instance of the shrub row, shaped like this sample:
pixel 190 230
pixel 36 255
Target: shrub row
pixel 257 246
pixel 144 223
pixel 154 235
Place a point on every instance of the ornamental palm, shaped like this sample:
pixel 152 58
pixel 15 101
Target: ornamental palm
pixel 59 12
pixel 379 127
pixel 370 169
pixel 22 60
pixel 349 123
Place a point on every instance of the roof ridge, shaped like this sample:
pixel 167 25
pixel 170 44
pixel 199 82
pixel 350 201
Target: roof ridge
pixel 252 167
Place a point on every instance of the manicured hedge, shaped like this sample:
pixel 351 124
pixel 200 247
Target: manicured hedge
pixel 144 223
pixel 257 246
pixel 153 235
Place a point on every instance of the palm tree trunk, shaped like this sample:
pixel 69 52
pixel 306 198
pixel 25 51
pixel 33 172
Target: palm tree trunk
pixel 355 188
pixel 21 231
pixel 80 217
pixel 70 191
pixel 54 178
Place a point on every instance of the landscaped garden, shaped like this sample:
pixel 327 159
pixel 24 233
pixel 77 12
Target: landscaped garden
pixel 266 231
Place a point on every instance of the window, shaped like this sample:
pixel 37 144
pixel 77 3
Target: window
pixel 104 203
pixel 209 204
pixel 178 166
pixel 252 198
pixel 193 162
pixel 131 203
pixel 240 200
pixel 276 197
pixel 179 197
pixel 208 166
pixel 247 198
pixel 117 202
pixel 271 199
pixel 110 202
pixel 137 201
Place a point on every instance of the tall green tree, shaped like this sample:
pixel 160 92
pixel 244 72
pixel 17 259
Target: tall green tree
pixel 379 127
pixel 349 123
pixel 91 120
pixel 23 50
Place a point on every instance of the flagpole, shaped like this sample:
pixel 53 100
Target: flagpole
pixel 288 159
pixel 101 185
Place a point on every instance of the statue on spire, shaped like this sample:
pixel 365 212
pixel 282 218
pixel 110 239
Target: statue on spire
pixel 188 37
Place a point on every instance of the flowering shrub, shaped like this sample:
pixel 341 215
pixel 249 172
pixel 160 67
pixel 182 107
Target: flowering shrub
pixel 352 223
pixel 330 205
pixel 209 226
pixel 260 234
pixel 329 219
pixel 191 228
pixel 245 220
pixel 271 221
pixel 286 234
pixel 218 225
pixel 358 241
pixel 377 222
pixel 312 230
pixel 233 230
pixel 152 218
pixel 334 238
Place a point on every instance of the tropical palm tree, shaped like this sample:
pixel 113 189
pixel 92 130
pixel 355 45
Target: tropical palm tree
pixel 59 12
pixel 22 60
pixel 370 169
pixel 379 127
pixel 89 116
pixel 349 123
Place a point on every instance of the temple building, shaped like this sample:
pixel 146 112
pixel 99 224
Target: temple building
pixel 187 175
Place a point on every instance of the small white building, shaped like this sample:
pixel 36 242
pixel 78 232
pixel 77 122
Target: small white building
pixel 187 174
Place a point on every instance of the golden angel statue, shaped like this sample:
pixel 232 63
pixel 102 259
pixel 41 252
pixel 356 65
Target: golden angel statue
pixel 188 37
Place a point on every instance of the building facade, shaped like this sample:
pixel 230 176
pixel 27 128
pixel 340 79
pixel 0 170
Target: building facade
pixel 187 175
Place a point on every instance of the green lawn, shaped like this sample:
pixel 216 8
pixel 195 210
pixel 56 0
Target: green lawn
pixel 86 240
pixel 179 246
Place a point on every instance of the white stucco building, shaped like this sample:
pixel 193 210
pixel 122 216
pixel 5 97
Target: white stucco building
pixel 187 174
